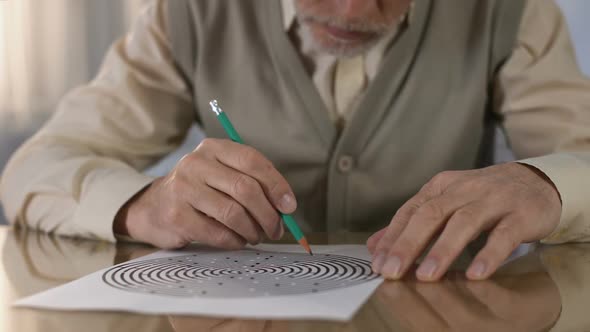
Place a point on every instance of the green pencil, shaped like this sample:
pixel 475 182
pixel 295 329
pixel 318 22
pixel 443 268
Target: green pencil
pixel 234 136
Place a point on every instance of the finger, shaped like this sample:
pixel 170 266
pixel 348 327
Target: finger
pixel 396 226
pixel 249 161
pixel 430 190
pixel 503 239
pixel 463 226
pixel 227 211
pixel 196 226
pixel 422 226
pixel 248 192
pixel 372 241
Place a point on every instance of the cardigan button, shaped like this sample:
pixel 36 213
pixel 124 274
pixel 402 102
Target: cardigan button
pixel 345 164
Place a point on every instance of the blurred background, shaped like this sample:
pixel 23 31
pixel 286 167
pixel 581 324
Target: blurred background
pixel 49 47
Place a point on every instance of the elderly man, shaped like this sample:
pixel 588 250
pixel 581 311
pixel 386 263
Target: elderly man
pixel 360 115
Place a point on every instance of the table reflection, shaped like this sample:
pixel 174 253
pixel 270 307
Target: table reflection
pixel 33 262
pixel 546 289
pixel 528 302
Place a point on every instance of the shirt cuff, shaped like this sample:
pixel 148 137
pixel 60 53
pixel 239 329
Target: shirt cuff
pixel 106 192
pixel 567 172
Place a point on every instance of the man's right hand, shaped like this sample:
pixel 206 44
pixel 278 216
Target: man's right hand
pixel 223 194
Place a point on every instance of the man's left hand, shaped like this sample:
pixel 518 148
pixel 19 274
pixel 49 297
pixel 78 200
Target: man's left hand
pixel 516 203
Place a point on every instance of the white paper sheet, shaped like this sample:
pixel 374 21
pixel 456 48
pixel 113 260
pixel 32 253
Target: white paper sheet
pixel 266 282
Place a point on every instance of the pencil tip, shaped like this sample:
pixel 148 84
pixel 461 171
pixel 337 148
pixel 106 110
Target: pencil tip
pixel 303 242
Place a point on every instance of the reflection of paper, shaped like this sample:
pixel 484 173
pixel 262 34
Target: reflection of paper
pixel 270 282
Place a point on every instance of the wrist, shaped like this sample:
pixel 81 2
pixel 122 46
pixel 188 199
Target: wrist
pixel 543 177
pixel 132 212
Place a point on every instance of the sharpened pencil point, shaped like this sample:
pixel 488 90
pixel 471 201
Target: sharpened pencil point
pixel 303 242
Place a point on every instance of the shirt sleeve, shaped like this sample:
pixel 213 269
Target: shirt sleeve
pixel 74 175
pixel 545 101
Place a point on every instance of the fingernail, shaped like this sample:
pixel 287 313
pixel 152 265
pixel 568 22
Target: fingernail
pixel 391 268
pixel 427 268
pixel 287 203
pixel 477 269
pixel 378 263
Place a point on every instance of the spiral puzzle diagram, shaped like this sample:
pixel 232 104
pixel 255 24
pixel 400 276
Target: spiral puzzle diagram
pixel 245 273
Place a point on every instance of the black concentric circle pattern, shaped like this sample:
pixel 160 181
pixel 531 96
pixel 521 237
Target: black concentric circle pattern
pixel 248 273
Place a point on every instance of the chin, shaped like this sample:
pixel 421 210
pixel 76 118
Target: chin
pixel 326 44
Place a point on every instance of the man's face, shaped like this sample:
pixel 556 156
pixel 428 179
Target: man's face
pixel 348 27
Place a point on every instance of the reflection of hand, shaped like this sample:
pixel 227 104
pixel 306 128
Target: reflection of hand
pixel 515 203
pixel 191 324
pixel 522 303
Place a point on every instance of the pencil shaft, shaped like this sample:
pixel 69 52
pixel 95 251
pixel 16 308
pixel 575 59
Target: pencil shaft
pixel 292 226
pixel 234 136
pixel 229 128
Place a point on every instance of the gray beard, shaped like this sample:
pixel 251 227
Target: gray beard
pixel 340 50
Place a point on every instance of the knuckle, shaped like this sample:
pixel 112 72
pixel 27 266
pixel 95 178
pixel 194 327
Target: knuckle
pixel 465 217
pixel 403 247
pixel 505 237
pixel 223 239
pixel 233 213
pixel 475 184
pixel 265 165
pixel 207 144
pixel 402 212
pixel 249 158
pixel 441 178
pixel 383 246
pixel 431 211
pixel 405 212
pixel 252 159
pixel 276 188
pixel 189 161
pixel 523 210
pixel 244 186
pixel 466 213
pixel 444 250
pixel 391 235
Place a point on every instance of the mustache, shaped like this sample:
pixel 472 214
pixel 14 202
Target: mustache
pixel 336 22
